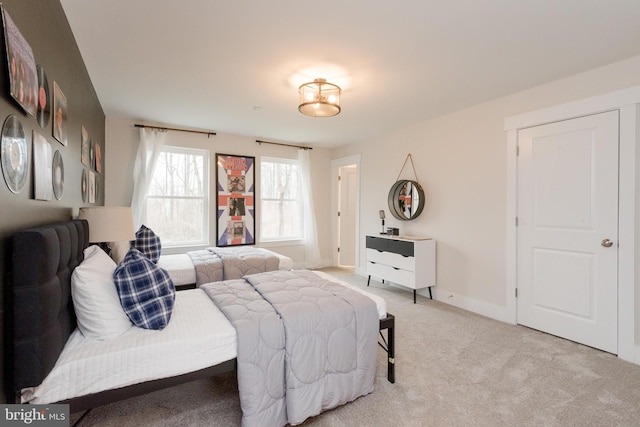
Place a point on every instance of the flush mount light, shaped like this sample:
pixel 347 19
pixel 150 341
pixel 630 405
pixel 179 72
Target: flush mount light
pixel 319 98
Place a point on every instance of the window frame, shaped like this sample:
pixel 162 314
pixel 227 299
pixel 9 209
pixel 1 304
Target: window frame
pixel 274 241
pixel 206 198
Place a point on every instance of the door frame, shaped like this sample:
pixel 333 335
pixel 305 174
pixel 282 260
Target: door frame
pixel 627 102
pixel 336 164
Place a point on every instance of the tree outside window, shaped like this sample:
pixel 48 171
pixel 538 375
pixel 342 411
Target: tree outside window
pixel 281 200
pixel 177 206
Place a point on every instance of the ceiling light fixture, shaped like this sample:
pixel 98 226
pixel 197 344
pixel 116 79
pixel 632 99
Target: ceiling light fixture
pixel 319 98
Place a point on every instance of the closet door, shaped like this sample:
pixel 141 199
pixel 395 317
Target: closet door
pixel 568 229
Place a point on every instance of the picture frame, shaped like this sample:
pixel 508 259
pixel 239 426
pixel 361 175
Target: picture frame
pixel 235 200
pixel 42 167
pixel 59 115
pixel 84 146
pixel 23 77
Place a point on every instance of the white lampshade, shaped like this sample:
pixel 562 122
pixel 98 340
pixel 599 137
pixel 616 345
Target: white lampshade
pixel 108 223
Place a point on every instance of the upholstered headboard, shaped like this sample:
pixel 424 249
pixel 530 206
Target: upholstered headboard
pixel 40 315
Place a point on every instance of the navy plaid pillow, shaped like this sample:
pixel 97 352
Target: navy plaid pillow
pixel 146 291
pixel 148 243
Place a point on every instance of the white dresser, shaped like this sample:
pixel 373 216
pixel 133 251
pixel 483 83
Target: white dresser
pixel 405 260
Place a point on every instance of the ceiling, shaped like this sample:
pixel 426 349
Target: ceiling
pixel 234 66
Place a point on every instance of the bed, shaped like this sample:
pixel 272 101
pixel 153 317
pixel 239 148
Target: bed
pixel 57 364
pixel 214 264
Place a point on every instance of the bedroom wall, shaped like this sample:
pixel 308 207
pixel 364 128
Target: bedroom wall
pixel 460 160
pixel 45 27
pixel 123 138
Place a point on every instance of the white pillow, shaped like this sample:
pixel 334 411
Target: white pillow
pixel 95 297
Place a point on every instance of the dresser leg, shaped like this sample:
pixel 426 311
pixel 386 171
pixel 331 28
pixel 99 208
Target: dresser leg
pixel 430 296
pixel 368 280
pixel 414 296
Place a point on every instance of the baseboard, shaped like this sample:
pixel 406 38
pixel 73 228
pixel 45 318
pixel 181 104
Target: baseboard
pixel 470 304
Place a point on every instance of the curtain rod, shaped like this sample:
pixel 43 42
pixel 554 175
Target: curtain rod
pixel 302 147
pixel 179 130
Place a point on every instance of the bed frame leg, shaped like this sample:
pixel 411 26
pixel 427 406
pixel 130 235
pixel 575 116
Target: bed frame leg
pixel 388 323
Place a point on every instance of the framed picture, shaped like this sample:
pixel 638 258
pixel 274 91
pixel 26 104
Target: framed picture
pixel 23 78
pixel 84 150
pixel 235 176
pixel 92 187
pixel 42 167
pixel 59 115
pixel 98 154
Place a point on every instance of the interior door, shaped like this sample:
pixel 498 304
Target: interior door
pixel 568 228
pixel 347 218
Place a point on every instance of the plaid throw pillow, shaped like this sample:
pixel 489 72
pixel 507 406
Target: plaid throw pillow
pixel 148 243
pixel 146 291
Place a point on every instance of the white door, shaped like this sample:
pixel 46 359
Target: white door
pixel 347 218
pixel 568 228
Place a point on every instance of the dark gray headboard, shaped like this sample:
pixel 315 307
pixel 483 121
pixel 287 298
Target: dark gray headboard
pixel 40 315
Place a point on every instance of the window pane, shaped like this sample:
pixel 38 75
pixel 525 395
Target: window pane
pixel 280 219
pixel 178 174
pixel 280 180
pixel 177 205
pixel 176 221
pixel 280 194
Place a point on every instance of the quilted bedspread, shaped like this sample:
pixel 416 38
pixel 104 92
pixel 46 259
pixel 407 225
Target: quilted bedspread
pixel 217 264
pixel 208 266
pixel 243 260
pixel 305 344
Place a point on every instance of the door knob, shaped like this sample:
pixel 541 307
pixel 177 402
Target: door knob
pixel 606 243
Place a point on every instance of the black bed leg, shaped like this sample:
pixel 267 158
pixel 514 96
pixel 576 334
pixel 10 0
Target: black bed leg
pixel 391 363
pixel 388 323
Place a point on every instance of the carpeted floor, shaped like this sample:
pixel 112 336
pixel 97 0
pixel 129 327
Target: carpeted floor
pixel 453 368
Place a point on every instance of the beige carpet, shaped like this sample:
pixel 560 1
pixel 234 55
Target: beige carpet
pixel 453 368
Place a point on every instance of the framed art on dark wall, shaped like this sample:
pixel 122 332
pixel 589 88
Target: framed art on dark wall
pixel 59 115
pixel 235 201
pixel 23 78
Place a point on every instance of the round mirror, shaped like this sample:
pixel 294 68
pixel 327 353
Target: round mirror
pixel 406 199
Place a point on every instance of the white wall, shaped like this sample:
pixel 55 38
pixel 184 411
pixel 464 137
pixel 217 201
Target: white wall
pixel 460 160
pixel 122 139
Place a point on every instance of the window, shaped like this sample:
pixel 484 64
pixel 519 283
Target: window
pixel 280 197
pixel 177 207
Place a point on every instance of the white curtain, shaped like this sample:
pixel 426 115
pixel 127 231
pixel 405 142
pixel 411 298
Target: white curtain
pixel 311 249
pixel 151 143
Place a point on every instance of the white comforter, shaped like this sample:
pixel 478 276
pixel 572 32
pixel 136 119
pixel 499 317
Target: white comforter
pixel 198 336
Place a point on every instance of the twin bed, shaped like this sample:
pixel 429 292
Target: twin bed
pixel 300 341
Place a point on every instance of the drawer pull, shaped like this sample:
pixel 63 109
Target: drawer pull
pixel 395 268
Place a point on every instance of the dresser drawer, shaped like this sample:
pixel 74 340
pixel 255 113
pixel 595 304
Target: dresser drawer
pixel 401 277
pixel 400 247
pixel 392 259
pixel 378 243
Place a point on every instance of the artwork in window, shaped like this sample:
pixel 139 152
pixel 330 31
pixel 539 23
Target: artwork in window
pixel 235 200
pixel 23 78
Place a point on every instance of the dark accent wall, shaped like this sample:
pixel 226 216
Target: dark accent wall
pixel 44 25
